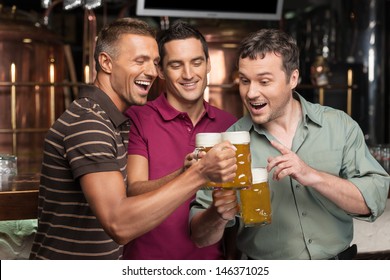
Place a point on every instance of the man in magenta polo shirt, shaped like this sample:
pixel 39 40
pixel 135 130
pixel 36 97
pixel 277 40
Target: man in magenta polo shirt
pixel 162 134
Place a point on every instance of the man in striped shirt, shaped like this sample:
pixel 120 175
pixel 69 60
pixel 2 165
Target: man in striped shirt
pixel 83 211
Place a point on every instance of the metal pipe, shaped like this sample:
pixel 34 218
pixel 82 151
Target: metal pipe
pixel 13 107
pixel 47 13
pixel 349 91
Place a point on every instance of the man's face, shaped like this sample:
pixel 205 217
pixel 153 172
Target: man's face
pixel 264 88
pixel 134 68
pixel 185 70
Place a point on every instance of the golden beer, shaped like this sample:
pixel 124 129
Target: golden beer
pixel 255 202
pixel 241 140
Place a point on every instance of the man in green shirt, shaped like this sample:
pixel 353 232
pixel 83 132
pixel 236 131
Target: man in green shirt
pixel 321 173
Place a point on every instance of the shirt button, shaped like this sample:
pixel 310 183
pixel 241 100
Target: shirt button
pixel 298 186
pixel 304 213
pixel 189 129
pixel 310 241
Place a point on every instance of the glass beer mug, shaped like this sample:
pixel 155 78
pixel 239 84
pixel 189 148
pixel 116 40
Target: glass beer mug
pixel 204 142
pixel 241 140
pixel 255 202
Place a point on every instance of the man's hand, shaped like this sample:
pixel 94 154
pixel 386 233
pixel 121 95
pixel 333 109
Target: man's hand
pixel 225 203
pixel 219 164
pixel 289 164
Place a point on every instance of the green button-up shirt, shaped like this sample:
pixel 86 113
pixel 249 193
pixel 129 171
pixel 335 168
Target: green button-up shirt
pixel 305 224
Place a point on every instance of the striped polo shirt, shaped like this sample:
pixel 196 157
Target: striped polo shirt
pixel 90 136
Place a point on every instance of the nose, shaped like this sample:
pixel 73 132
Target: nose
pixel 253 91
pixel 151 70
pixel 187 72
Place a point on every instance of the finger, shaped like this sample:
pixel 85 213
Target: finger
pixel 228 211
pixel 191 156
pixel 222 192
pixel 198 153
pixel 281 173
pixel 225 145
pixel 224 197
pixel 281 148
pixel 271 163
pixel 275 162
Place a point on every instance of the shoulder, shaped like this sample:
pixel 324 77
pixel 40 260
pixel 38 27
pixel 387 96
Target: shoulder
pixel 83 115
pixel 222 114
pixel 243 124
pixel 141 111
pixel 325 115
pixel 335 116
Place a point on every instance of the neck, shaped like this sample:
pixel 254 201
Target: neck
pixel 119 103
pixel 285 127
pixel 194 109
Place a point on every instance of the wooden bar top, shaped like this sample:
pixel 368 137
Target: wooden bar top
pixel 19 197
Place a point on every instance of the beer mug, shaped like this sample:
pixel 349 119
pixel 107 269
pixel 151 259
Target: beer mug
pixel 255 202
pixel 241 140
pixel 204 142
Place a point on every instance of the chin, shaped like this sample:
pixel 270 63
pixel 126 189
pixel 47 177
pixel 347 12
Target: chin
pixel 258 119
pixel 140 101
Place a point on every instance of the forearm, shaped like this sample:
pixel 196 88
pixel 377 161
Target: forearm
pixel 140 187
pixel 139 214
pixel 207 227
pixel 341 191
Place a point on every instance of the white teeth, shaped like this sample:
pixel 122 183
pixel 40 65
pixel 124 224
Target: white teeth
pixel 143 83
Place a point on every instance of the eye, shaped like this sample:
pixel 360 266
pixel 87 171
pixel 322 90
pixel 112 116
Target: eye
pixel 175 65
pixel 243 81
pixel 140 61
pixel 198 62
pixel 265 82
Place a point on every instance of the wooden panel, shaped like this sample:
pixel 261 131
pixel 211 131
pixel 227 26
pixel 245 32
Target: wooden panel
pixel 19 205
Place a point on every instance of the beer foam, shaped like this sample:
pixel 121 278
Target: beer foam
pixel 236 137
pixel 259 174
pixel 207 139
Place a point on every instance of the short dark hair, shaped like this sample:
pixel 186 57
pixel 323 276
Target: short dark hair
pixel 264 41
pixel 109 35
pixel 180 30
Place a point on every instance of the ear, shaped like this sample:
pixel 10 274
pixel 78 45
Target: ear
pixel 208 65
pixel 105 62
pixel 160 72
pixel 294 78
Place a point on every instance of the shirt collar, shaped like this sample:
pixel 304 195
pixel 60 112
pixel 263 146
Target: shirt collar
pixel 169 113
pixel 100 97
pixel 311 113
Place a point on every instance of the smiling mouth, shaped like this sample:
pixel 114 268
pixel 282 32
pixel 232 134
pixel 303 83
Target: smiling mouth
pixel 143 84
pixel 188 85
pixel 258 106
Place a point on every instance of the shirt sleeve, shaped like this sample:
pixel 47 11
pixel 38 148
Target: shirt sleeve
pixel 90 145
pixel 137 140
pixel 364 171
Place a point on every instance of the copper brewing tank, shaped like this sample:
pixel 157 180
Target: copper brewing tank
pixel 222 90
pixel 223 40
pixel 31 66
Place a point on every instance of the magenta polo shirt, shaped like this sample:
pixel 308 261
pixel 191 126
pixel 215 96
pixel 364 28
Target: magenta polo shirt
pixel 165 136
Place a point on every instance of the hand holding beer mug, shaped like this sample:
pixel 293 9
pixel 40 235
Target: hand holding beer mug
pixel 255 202
pixel 241 140
pixel 204 142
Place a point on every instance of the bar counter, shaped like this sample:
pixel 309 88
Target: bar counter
pixel 19 197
